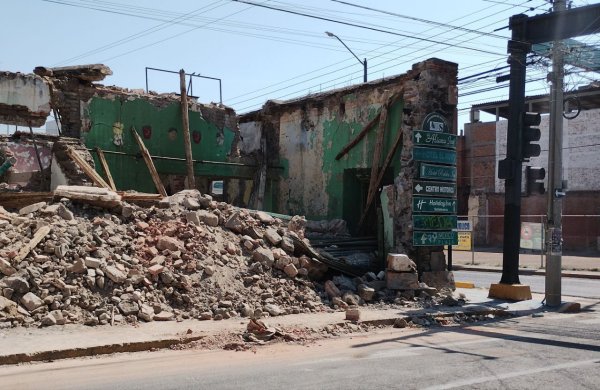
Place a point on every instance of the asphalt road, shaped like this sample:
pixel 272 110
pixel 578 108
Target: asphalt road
pixel 574 287
pixel 554 351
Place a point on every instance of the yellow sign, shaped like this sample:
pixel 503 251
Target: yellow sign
pixel 464 242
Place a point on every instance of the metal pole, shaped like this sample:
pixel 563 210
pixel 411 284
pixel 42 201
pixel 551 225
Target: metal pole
pixel 518 50
pixel 542 243
pixel 472 240
pixel 185 120
pixel 449 257
pixel 554 234
pixel 365 70
pixel 146 79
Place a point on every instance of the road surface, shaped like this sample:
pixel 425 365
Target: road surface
pixel 554 351
pixel 574 287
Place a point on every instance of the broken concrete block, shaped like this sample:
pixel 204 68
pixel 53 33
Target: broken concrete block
pixel 265 218
pixel 235 223
pixel 264 256
pixel 402 280
pixel 366 293
pixel 78 267
pixel 6 268
pixel 331 289
pixel 400 263
pixel 115 274
pixel 32 208
pixel 290 270
pixel 273 237
pixel 31 301
pixel 352 314
pixel 170 243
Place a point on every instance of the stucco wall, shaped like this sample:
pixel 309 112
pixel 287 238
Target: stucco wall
pixel 24 99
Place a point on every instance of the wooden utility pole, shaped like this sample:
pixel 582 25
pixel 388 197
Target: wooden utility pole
pixel 185 122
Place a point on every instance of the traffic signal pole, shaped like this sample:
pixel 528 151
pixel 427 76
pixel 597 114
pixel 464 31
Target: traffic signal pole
pixel 512 165
pixel 555 179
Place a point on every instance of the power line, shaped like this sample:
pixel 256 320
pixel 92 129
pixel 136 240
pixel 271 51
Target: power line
pixel 363 27
pixel 431 22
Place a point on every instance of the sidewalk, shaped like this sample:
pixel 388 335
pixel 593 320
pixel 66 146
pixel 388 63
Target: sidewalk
pixel 574 266
pixel 59 342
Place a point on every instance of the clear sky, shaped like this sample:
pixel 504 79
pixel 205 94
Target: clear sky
pixel 263 54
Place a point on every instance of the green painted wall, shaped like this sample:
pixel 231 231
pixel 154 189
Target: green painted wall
pixel 340 133
pixel 130 172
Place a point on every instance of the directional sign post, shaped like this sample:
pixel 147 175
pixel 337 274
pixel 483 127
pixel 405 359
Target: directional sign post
pixel 434 222
pixel 430 138
pixel 434 188
pixel 437 172
pixel 434 193
pixel 434 238
pixel 436 155
pixel 423 204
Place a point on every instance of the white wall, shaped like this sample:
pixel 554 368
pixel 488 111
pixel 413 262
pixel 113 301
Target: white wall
pixel 581 151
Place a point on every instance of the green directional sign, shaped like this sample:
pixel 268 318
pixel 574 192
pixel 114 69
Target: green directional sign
pixel 434 188
pixel 442 156
pixel 437 172
pixel 423 204
pixel 431 138
pixel 434 222
pixel 435 238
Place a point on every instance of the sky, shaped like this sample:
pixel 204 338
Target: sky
pixel 261 54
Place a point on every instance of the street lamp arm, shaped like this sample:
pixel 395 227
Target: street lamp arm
pixel 346 46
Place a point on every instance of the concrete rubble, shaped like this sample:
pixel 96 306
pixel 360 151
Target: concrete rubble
pixel 84 261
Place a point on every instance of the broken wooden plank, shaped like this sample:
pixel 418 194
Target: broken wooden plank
pixel 106 169
pixel 185 124
pixel 37 238
pixel 358 137
pixel 386 163
pixel 101 197
pixel 17 200
pixel 86 168
pixel 377 151
pixel 146 155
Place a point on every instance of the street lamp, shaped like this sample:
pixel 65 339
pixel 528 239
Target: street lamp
pixel 363 62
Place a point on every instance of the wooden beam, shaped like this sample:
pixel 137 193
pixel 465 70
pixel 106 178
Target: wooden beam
pixel 376 172
pixel 37 238
pixel 386 163
pixel 105 168
pixel 358 137
pixel 146 155
pixel 86 168
pixel 185 124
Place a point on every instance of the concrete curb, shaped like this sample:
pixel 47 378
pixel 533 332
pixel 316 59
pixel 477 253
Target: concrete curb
pixel 70 353
pixel 525 271
pixel 169 341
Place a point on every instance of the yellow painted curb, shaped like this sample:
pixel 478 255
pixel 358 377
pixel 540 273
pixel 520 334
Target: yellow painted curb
pixel 464 284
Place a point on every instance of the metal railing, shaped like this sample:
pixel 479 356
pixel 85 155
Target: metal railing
pixel 581 238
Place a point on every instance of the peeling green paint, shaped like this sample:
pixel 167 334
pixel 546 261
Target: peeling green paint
pixel 341 188
pixel 130 172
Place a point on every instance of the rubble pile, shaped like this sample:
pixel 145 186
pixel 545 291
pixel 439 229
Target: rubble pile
pixel 188 257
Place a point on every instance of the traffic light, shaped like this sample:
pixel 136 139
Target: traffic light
pixel 530 134
pixel 534 180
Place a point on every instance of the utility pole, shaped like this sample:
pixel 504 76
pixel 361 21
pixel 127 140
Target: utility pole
pixel 555 171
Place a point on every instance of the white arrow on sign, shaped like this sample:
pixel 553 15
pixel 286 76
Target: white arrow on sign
pixel 418 188
pixel 418 137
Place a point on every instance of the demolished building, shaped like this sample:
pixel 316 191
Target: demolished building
pixel 326 156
